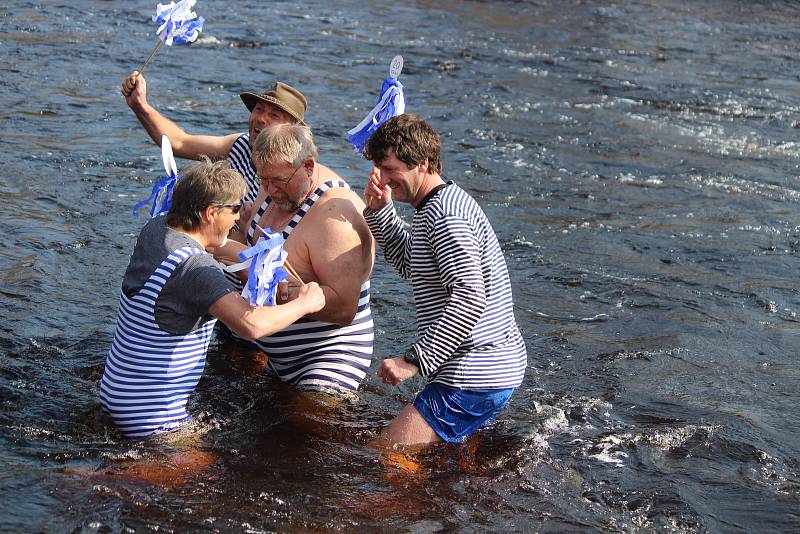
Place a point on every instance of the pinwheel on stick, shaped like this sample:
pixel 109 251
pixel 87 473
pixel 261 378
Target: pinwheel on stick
pixel 267 259
pixel 177 24
pixel 391 102
pixel 161 194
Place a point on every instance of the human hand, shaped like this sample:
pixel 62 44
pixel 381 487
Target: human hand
pixel 312 297
pixel 288 290
pixel 396 370
pixel 376 193
pixel 134 89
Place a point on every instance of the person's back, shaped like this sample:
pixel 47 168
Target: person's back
pixel 163 329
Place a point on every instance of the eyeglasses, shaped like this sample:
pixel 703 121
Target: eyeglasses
pixel 235 208
pixel 279 182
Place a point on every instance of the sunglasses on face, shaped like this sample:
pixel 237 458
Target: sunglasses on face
pixel 235 208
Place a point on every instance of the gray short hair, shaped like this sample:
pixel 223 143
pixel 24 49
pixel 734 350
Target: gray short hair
pixel 290 143
pixel 202 184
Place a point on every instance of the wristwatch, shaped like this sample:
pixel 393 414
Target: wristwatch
pixel 411 356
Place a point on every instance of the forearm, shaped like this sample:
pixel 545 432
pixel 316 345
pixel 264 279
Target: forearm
pixel 157 125
pixel 389 232
pixel 453 327
pixel 262 321
pixel 339 308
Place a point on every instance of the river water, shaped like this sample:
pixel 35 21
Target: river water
pixel 638 161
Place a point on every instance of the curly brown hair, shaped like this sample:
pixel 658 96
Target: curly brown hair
pixel 412 139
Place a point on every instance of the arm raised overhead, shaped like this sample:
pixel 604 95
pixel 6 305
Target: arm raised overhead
pixel 184 145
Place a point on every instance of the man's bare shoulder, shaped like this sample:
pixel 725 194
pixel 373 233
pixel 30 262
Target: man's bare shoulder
pixel 339 193
pixel 339 204
pixel 337 215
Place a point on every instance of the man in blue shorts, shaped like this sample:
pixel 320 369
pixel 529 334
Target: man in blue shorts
pixel 469 346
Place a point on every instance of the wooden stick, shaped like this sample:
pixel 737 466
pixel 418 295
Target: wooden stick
pixel 150 57
pixel 291 270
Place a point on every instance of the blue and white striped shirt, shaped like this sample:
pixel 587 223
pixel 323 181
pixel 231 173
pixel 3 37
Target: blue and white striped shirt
pixel 468 338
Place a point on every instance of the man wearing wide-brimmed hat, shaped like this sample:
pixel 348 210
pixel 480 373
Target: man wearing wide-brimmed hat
pixel 333 245
pixel 280 104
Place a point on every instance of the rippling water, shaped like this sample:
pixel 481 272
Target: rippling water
pixel 640 165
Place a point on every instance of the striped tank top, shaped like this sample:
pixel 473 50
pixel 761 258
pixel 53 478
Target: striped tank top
pixel 317 354
pixel 149 373
pixel 239 158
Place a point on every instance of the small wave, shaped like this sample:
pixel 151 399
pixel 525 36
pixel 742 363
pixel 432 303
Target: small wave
pixel 600 317
pixel 212 41
pixel 536 73
pixel 641 354
pixel 745 187
pixel 611 448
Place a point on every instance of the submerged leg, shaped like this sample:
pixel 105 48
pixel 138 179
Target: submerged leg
pixel 174 470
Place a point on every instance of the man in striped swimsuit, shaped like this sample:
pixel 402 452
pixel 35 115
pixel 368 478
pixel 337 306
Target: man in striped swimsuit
pixel 172 294
pixel 468 346
pixel 281 104
pixel 328 242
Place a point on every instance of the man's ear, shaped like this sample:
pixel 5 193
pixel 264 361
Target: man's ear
pixel 309 165
pixel 208 214
pixel 422 166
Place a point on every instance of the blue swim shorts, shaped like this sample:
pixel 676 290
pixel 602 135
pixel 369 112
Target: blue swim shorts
pixel 456 414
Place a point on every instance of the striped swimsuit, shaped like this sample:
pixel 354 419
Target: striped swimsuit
pixel 316 354
pixel 149 373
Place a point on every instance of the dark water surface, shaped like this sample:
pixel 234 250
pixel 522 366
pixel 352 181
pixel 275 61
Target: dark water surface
pixel 640 165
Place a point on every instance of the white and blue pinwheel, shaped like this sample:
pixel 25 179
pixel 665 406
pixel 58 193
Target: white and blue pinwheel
pixel 177 22
pixel 266 260
pixel 391 102
pixel 160 197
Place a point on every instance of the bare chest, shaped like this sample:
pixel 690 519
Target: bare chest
pixel 296 245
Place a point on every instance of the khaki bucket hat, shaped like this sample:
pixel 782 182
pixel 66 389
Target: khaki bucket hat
pixel 280 95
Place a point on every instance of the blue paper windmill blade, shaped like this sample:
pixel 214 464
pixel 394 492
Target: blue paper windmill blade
pixel 160 198
pixel 177 24
pixel 391 102
pixel 265 270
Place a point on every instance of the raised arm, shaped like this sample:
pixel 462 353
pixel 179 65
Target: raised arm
pixel 386 226
pixel 184 145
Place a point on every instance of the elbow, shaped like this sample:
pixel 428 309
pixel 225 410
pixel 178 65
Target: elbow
pixel 344 317
pixel 246 328
pixel 246 331
pixel 250 334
